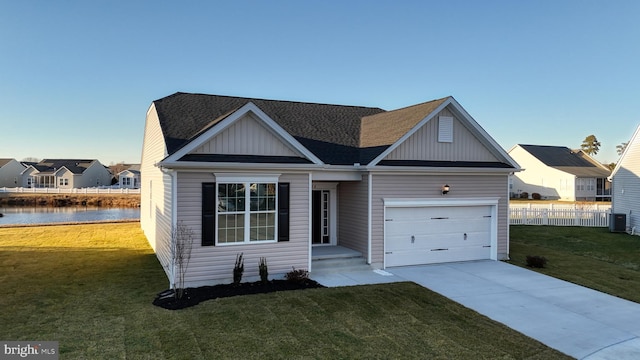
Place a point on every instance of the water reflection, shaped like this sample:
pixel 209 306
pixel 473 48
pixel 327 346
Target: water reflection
pixel 43 214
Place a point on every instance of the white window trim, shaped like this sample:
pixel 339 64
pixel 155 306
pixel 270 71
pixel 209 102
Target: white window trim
pixel 228 178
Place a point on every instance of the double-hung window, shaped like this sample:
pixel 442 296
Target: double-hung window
pixel 246 212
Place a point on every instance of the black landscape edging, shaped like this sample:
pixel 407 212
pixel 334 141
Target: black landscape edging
pixel 194 296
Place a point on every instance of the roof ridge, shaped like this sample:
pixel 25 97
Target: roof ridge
pixel 272 100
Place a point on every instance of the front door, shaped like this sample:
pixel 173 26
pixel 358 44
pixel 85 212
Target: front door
pixel 320 205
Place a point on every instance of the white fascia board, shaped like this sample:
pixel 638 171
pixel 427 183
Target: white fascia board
pixel 55 173
pixel 408 202
pixel 634 138
pixel 30 167
pixel 480 131
pixel 228 121
pixel 415 170
pixel 404 137
pixel 185 165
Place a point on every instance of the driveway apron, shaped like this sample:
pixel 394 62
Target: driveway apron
pixel 578 321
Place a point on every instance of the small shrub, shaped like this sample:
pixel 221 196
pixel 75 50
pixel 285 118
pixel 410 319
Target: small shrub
pixel 264 273
pixel 536 261
pixel 297 275
pixel 536 196
pixel 524 195
pixel 238 269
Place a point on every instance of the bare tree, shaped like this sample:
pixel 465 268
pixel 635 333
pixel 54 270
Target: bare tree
pixel 181 244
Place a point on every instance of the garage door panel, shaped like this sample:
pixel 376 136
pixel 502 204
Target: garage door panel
pixel 438 241
pixel 405 258
pixel 422 235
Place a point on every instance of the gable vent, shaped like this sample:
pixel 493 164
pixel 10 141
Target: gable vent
pixel 445 129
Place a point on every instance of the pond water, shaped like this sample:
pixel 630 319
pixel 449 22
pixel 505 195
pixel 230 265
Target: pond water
pixel 44 214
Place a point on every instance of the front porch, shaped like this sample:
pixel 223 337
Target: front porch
pixel 332 259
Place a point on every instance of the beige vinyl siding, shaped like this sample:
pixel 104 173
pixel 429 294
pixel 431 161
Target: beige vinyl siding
pixel 429 187
pixel 214 264
pixel 424 145
pixel 353 210
pixel 626 185
pixel 155 191
pixel 246 136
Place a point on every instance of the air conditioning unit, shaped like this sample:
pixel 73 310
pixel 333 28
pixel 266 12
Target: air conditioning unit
pixel 617 222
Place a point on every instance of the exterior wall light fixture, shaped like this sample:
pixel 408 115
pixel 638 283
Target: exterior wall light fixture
pixel 445 189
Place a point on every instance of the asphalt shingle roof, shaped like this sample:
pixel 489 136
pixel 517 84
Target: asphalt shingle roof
pixel 52 165
pixel 337 134
pixel 567 160
pixel 331 132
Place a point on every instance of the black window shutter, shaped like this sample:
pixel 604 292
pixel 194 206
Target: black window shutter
pixel 208 214
pixel 283 211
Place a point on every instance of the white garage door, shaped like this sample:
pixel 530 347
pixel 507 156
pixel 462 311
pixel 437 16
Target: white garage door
pixel 436 234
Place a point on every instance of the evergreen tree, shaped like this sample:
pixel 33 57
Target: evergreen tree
pixel 590 145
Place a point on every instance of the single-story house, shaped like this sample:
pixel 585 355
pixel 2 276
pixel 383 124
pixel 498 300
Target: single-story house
pixel 626 184
pixel 559 173
pixel 130 177
pixel 10 173
pixel 278 179
pixel 66 174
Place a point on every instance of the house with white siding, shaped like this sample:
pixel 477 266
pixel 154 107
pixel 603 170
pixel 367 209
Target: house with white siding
pixel 283 180
pixel 626 184
pixel 66 174
pixel 11 173
pixel 559 173
pixel 130 177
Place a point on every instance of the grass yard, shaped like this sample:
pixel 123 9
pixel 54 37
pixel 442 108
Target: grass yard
pixel 90 287
pixel 592 257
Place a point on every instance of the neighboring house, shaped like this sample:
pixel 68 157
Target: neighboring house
pixel 559 173
pixel 129 178
pixel 10 173
pixel 626 184
pixel 277 179
pixel 66 174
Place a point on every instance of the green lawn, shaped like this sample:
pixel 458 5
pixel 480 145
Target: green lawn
pixel 90 287
pixel 592 257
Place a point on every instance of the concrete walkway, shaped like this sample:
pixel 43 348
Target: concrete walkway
pixel 575 320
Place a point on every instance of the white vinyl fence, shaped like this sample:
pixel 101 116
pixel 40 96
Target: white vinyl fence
pixel 107 190
pixel 559 217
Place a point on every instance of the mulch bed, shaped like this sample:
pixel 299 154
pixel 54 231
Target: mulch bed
pixel 194 296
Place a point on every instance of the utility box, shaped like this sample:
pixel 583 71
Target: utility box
pixel 617 222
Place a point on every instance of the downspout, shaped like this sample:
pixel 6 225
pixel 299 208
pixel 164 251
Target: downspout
pixel 174 221
pixel 508 218
pixel 310 227
pixel 369 212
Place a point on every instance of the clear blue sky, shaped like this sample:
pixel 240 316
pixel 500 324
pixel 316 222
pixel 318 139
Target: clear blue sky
pixel 77 77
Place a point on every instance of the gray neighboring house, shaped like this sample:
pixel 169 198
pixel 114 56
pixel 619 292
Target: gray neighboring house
pixel 559 173
pixel 283 179
pixel 66 174
pixel 11 173
pixel 626 184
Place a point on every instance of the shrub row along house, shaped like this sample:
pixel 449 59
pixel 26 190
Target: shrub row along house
pixel 64 174
pixel 277 179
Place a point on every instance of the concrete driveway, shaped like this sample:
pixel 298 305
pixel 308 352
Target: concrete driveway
pixel 578 321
